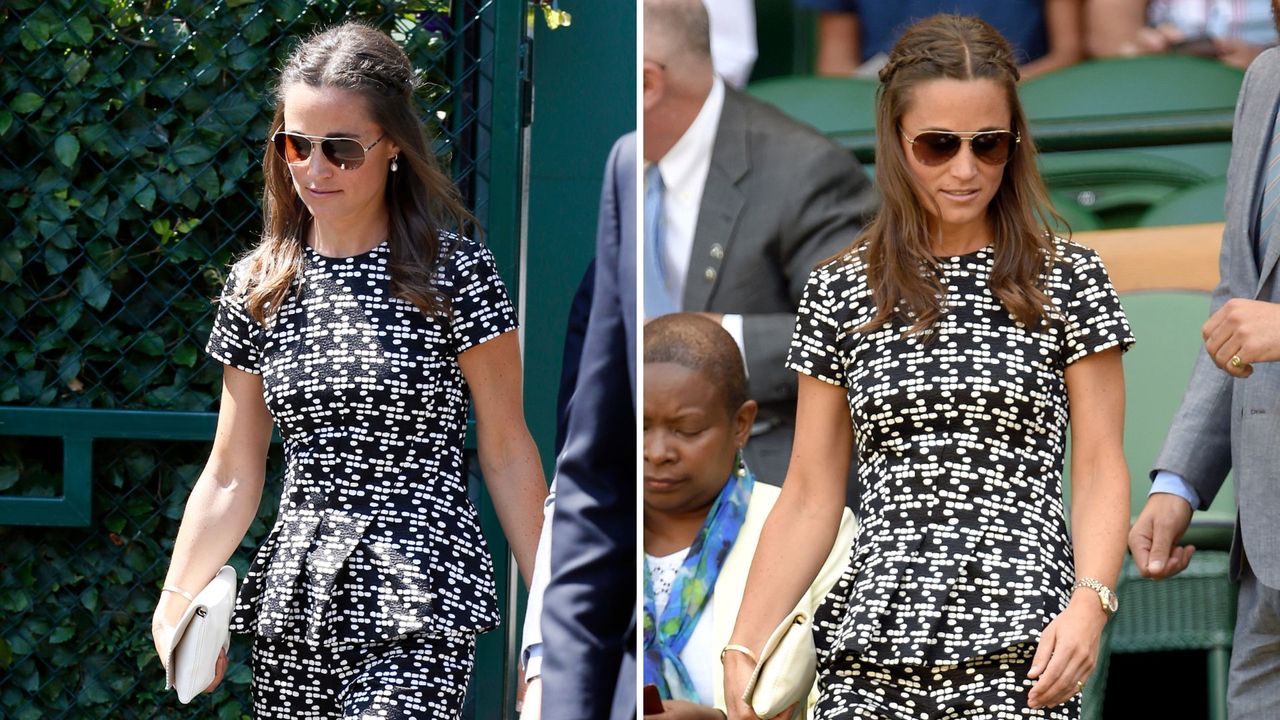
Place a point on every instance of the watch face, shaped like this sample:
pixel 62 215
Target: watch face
pixel 1109 599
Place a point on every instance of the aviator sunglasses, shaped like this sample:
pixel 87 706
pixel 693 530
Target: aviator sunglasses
pixel 345 153
pixel 935 147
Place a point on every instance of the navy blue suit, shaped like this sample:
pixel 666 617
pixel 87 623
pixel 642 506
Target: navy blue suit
pixel 589 610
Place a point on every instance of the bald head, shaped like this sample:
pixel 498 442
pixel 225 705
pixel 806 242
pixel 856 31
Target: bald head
pixel 697 343
pixel 677 33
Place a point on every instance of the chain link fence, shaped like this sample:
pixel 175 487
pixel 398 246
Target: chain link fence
pixel 131 177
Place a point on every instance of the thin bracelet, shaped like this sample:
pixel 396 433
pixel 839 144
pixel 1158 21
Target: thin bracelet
pixel 178 591
pixel 739 648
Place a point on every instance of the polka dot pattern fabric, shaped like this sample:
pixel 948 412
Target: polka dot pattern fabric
pixel 376 538
pixel 423 678
pixel 962 549
pixel 992 687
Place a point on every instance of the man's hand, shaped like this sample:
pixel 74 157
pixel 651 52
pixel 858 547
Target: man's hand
pixel 530 705
pixel 1237 52
pixel 1244 329
pixel 1152 539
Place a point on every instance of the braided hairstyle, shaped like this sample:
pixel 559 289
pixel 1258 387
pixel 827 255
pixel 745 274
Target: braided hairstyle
pixel 899 242
pixel 422 200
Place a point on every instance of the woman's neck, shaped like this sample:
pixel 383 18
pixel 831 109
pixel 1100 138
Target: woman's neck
pixel 665 533
pixel 349 236
pixel 961 239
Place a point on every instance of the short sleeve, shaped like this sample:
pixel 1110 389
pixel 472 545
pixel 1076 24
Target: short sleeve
pixel 481 308
pixel 1095 321
pixel 814 344
pixel 236 337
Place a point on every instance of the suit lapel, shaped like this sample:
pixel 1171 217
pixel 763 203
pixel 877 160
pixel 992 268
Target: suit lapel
pixel 722 203
pixel 1269 95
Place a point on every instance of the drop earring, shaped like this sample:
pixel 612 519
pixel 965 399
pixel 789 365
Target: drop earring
pixel 742 465
pixel 394 165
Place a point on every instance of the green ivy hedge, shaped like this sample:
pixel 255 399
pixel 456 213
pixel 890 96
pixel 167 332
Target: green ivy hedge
pixel 133 136
pixel 75 605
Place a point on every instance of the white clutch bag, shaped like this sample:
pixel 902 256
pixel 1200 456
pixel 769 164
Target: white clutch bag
pixel 203 631
pixel 787 669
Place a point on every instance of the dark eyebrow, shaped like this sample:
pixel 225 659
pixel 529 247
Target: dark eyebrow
pixel 989 128
pixel 346 134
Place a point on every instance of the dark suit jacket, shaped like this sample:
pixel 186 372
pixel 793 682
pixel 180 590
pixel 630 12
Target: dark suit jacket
pixel 589 610
pixel 779 198
pixel 574 335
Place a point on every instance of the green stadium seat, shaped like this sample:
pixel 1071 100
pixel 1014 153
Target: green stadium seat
pixel 1114 186
pixel 1140 86
pixel 1201 203
pixel 843 109
pixel 1078 219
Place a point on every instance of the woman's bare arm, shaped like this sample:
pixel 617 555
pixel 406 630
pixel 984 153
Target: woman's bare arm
pixel 800 530
pixel 508 457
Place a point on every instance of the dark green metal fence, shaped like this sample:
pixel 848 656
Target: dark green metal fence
pixel 133 136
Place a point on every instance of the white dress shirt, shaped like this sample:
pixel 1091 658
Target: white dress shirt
pixel 684 176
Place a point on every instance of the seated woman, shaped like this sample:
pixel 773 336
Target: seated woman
pixel 703 510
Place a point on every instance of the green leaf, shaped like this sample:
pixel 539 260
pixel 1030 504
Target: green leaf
pixel 76 67
pixel 192 154
pixel 27 102
pixel 6 121
pixel 8 477
pixel 83 29
pixel 94 289
pixel 185 355
pixel 62 635
pixel 151 344
pixel 89 599
pixel 6 653
pixel 67 148
pixel 240 675
pixel 146 196
pixel 10 264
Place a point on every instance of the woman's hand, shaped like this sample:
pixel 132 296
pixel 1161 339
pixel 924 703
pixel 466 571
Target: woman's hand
pixel 163 621
pixel 737 672
pixel 681 710
pixel 1067 652
pixel 219 670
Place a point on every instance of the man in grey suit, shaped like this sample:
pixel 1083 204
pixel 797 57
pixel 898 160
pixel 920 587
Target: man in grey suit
pixel 1230 416
pixel 741 203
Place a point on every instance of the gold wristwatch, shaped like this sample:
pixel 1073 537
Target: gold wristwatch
pixel 1109 601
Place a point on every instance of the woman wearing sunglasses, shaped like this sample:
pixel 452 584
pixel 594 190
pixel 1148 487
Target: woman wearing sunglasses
pixel 363 326
pixel 948 347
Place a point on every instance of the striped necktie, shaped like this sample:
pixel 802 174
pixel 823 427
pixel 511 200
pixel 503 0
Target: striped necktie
pixel 1270 195
pixel 657 297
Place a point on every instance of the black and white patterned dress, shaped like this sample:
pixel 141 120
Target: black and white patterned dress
pixel 962 549
pixel 376 540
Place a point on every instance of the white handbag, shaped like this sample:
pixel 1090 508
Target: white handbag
pixel 200 635
pixel 787 669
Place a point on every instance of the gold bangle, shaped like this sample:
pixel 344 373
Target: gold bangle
pixel 178 591
pixel 739 648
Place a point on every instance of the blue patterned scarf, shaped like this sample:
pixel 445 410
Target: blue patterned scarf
pixel 665 636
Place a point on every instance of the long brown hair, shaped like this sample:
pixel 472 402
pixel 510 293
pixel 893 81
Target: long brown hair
pixel 422 201
pixel 898 243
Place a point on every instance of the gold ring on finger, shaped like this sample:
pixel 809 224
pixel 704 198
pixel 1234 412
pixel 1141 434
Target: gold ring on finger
pixel 1079 686
pixel 1236 361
